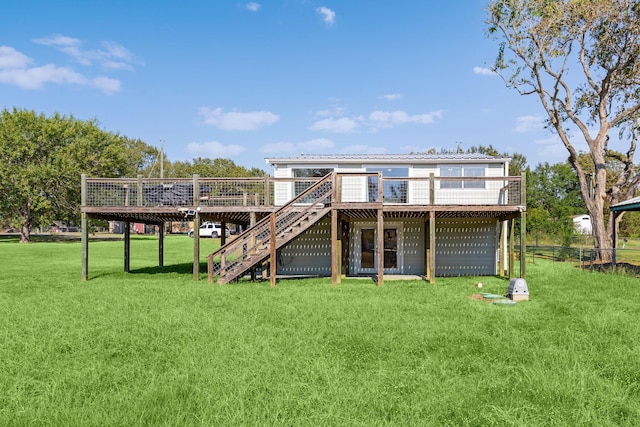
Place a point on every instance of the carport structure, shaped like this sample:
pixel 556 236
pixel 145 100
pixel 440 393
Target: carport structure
pixel 631 205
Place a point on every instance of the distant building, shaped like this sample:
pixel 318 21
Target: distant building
pixel 582 224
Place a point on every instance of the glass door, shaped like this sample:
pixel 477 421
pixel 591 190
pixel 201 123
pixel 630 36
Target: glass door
pixel 391 249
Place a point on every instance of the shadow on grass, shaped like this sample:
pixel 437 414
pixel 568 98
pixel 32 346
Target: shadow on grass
pixel 184 268
pixel 63 238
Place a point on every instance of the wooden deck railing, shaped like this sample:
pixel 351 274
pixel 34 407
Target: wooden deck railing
pixel 356 187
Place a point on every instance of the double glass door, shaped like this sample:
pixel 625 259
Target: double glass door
pixel 390 247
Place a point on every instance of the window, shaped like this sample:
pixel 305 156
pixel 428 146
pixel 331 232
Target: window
pixel 469 171
pixel 313 173
pixel 450 171
pixel 394 191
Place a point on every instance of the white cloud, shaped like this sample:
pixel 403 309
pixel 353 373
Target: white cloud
pixel 312 146
pixel 483 71
pixel 214 149
pixel 15 70
pixel 341 125
pixel 111 55
pixel 526 124
pixel 329 16
pixel 107 85
pixel 253 6
pixel 235 120
pixel 337 111
pixel 11 58
pixel 387 119
pixel 392 96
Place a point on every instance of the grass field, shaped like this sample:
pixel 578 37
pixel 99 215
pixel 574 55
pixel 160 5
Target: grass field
pixel 161 349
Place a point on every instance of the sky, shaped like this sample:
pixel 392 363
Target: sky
pixel 263 79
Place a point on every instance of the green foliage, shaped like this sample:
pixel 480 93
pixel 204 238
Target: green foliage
pixel 157 348
pixel 211 168
pixel 41 160
pixel 581 59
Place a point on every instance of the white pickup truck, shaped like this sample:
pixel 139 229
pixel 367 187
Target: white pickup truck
pixel 210 229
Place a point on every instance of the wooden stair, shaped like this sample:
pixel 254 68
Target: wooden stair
pixel 254 245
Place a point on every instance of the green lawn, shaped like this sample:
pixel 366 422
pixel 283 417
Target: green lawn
pixel 151 348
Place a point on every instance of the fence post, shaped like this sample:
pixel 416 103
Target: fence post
pixel 580 258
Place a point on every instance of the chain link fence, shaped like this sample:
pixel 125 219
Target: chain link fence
pixel 588 258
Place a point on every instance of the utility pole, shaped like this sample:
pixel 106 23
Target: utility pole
pixel 162 158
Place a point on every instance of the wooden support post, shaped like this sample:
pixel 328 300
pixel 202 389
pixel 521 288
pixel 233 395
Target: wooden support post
pixel 127 246
pixel 196 228
pixel 273 253
pixel 336 251
pixel 85 231
pixel 427 252
pixel 380 246
pixel 511 248
pixel 432 247
pixel 267 189
pixel 523 225
pixel 252 241
pixel 161 245
pixel 432 189
pixel 223 233
pixel 196 246
pixel 140 191
pixel 502 248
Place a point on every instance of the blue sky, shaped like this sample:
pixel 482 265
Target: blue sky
pixel 273 78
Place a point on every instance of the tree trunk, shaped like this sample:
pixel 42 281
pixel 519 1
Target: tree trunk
pixel 25 228
pixel 602 241
pixel 25 233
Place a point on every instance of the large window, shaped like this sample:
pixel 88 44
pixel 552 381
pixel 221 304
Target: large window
pixel 462 171
pixel 394 191
pixel 313 173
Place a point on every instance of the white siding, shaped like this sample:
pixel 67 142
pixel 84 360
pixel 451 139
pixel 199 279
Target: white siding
pixel 282 191
pixel 492 194
pixel 419 191
pixel 466 247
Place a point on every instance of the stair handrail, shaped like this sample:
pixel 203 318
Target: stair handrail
pixel 259 236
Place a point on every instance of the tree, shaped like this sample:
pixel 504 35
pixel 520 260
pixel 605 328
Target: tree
pixel 553 197
pixel 212 168
pixel 517 165
pixel 41 161
pixel 582 60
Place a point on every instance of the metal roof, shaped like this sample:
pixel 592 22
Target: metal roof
pixel 627 205
pixel 387 158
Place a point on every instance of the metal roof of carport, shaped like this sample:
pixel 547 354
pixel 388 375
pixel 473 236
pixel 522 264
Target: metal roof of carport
pixel 627 205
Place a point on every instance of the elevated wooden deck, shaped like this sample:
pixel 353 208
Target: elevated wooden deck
pixel 246 201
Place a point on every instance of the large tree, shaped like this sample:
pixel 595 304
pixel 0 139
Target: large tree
pixel 581 58
pixel 41 161
pixel 206 167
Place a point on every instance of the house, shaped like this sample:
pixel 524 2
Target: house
pixel 341 215
pixel 582 224
pixel 466 242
